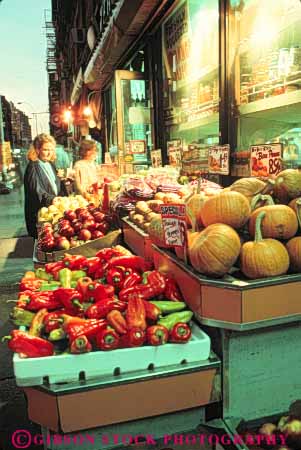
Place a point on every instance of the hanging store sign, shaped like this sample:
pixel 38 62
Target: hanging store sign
pixel 176 48
pixel 156 157
pixel 105 13
pixel 265 160
pixel 174 225
pixel 218 159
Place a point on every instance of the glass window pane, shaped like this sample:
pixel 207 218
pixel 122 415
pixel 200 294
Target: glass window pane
pixel 265 55
pixel 190 72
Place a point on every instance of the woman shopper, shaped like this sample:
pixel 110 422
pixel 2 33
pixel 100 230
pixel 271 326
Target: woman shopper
pixel 85 171
pixel 41 183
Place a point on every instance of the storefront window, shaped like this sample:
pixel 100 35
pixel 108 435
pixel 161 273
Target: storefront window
pixel 190 72
pixel 265 55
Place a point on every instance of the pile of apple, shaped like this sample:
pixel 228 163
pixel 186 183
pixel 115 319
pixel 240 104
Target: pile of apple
pixel 60 204
pixel 73 229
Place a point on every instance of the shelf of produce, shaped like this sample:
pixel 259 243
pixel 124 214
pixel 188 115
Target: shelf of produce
pixel 77 405
pixel 231 302
pixel 89 249
pixel 138 241
pixel 273 108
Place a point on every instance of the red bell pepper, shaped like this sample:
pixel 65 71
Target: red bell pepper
pixel 74 262
pixel 135 337
pixel 117 321
pixel 132 280
pixel 100 309
pixel 172 291
pixel 115 277
pixel 52 321
pixel 145 291
pixel 157 335
pixel 132 262
pixel 54 269
pixel 39 300
pixel 83 286
pixel 70 298
pixel 180 333
pixel 135 313
pixel 92 265
pixel 106 254
pixel 76 326
pixel 152 312
pixel 30 284
pixel 157 282
pixel 80 344
pixel 103 291
pixel 28 345
pixel 107 339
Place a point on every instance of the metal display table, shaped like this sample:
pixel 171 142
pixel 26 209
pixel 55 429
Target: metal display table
pixel 255 330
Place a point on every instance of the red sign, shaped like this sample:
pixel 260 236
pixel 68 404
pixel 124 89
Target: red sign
pixel 174 225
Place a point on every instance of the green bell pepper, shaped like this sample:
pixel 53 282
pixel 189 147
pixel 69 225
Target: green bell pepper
pixel 170 320
pixel 77 274
pixel 51 286
pixel 167 306
pixel 65 277
pixel 43 275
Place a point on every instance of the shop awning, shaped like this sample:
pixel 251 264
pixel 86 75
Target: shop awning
pixel 77 87
pixel 124 28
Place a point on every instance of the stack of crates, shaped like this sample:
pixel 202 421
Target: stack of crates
pixel 5 155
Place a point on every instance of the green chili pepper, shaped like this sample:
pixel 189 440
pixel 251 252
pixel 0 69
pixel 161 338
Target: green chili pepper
pixel 73 284
pixel 65 276
pixel 43 275
pixel 168 306
pixel 21 317
pixel 51 286
pixel 170 320
pixel 57 334
pixel 77 274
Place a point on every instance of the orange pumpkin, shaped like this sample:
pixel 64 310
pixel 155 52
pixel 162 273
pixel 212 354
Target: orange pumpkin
pixel 280 222
pixel 194 204
pixel 261 200
pixel 190 238
pixel 230 208
pixel 293 204
pixel 293 246
pixel 263 257
pixel 288 185
pixel 248 187
pixel 214 250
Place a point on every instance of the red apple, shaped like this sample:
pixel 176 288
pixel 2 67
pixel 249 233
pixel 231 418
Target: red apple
pixel 85 215
pixel 47 245
pixel 99 216
pixel 79 210
pixel 96 234
pixel 84 235
pixel 47 226
pixel 74 242
pixel 77 225
pixel 70 215
pixel 103 227
pixel 67 231
pixel 90 225
pixel 91 207
pixel 62 243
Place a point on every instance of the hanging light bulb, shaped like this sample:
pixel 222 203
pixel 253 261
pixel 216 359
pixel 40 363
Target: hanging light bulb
pixel 87 112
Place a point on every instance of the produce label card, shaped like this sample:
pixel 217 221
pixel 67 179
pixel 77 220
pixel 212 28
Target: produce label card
pixel 156 157
pixel 265 160
pixel 218 159
pixel 174 225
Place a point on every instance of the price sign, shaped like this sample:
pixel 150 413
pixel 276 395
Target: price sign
pixel 174 225
pixel 156 157
pixel 218 159
pixel 137 146
pixel 265 160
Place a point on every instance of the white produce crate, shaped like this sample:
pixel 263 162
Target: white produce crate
pixel 67 368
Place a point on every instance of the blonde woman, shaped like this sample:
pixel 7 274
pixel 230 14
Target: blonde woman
pixel 41 183
pixel 85 169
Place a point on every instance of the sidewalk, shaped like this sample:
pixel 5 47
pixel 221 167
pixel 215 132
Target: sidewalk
pixel 15 259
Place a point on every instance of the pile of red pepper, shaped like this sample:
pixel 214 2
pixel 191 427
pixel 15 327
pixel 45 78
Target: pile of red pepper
pixel 113 300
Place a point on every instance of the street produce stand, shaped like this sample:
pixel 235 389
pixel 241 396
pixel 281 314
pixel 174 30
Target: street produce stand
pixel 235 373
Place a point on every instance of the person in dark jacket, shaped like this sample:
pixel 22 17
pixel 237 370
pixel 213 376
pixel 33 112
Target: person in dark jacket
pixel 41 183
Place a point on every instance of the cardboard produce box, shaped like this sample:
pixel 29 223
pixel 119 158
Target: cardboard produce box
pixel 89 249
